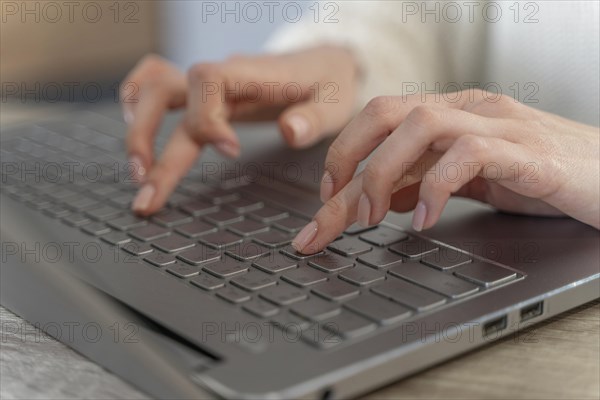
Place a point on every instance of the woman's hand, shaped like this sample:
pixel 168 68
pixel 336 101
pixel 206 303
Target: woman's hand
pixel 312 93
pixel 483 146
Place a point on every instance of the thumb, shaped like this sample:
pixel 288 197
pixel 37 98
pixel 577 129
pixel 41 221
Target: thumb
pixel 303 124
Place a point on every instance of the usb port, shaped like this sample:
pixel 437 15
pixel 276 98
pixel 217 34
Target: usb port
pixel 532 311
pixel 494 326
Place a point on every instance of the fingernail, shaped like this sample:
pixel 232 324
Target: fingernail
pixel 305 236
pixel 139 171
pixel 326 187
pixel 364 210
pixel 419 216
pixel 300 129
pixel 228 149
pixel 143 198
pixel 128 117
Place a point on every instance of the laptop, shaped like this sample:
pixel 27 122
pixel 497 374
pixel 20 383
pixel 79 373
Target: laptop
pixel 207 299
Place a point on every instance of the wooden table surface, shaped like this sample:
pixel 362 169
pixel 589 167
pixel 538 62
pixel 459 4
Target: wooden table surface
pixel 559 358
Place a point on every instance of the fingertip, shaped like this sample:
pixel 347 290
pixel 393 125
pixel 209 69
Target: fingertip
pixel 143 199
pixel 419 216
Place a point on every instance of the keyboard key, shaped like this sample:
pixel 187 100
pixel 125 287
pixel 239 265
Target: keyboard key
pixel 254 280
pixel 378 309
pixel 173 243
pixel 268 214
pixel 220 240
pixel 283 294
pixel 291 252
pixel 290 224
pixel 56 211
pixel 176 199
pixel 315 309
pixel 409 294
pixel 226 268
pixel 95 228
pixel 304 276
pixel 336 290
pixel 223 217
pixel 330 262
pixel 275 263
pixel 260 308
pixel 242 206
pixel 77 219
pixel 320 337
pixel 199 207
pixel 348 325
pixel 273 238
pixel 116 238
pixel 414 247
pixel 380 259
pixel 446 258
pixel 233 295
pixel 103 213
pixel 247 251
pixel 383 236
pixel 137 249
pixel 81 203
pixel 199 255
pixel 171 218
pixel 40 202
pixel 207 281
pixel 149 232
pixel 356 228
pixel 182 270
pixel 159 259
pixel 361 275
pixel 485 274
pixel 127 222
pixel 247 228
pixel 437 281
pixel 217 195
pixel 122 201
pixel 292 323
pixel 195 229
pixel 350 247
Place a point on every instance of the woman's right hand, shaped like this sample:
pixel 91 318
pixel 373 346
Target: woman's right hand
pixel 312 93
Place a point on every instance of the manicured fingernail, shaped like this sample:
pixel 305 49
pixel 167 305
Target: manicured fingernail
pixel 300 129
pixel 305 236
pixel 143 198
pixel 326 187
pixel 139 171
pixel 364 210
pixel 128 117
pixel 228 149
pixel 419 216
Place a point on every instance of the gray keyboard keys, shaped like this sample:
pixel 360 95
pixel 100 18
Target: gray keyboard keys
pixel 103 213
pixel 335 289
pixel 446 258
pixel 273 239
pixel 383 236
pixel 304 276
pixel 149 232
pixel 182 270
pixel 380 259
pixel 275 263
pixel 159 259
pixel 199 207
pixel 127 222
pixel 356 228
pixel 77 219
pixel 220 240
pixel 409 294
pixel 361 275
pixel 195 229
pixel 254 280
pixel 268 214
pixel 315 309
pixel 320 337
pixel 56 211
pixel 116 238
pixel 207 281
pixel 247 251
pixel 226 268
pixel 291 224
pixel 350 247
pixel 233 294
pixel 440 282
pixel 137 249
pixel 173 243
pixel 223 217
pixel 330 262
pixel 283 294
pixel 260 308
pixel 378 309
pixel 247 227
pixel 81 203
pixel 199 255
pixel 96 228
pixel 171 218
pixel 485 274
pixel 414 247
pixel 242 206
pixel 291 252
pixel 290 322
pixel 348 325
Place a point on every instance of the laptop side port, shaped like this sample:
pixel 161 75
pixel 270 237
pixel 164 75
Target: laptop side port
pixel 494 326
pixel 531 311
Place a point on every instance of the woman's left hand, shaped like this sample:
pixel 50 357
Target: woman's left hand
pixel 482 146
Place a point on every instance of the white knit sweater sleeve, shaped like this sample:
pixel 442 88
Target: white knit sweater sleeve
pixel 395 49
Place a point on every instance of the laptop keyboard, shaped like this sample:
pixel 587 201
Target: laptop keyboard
pixel 229 244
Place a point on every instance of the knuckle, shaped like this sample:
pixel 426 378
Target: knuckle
pixel 380 105
pixel 203 71
pixel 471 144
pixel 422 116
